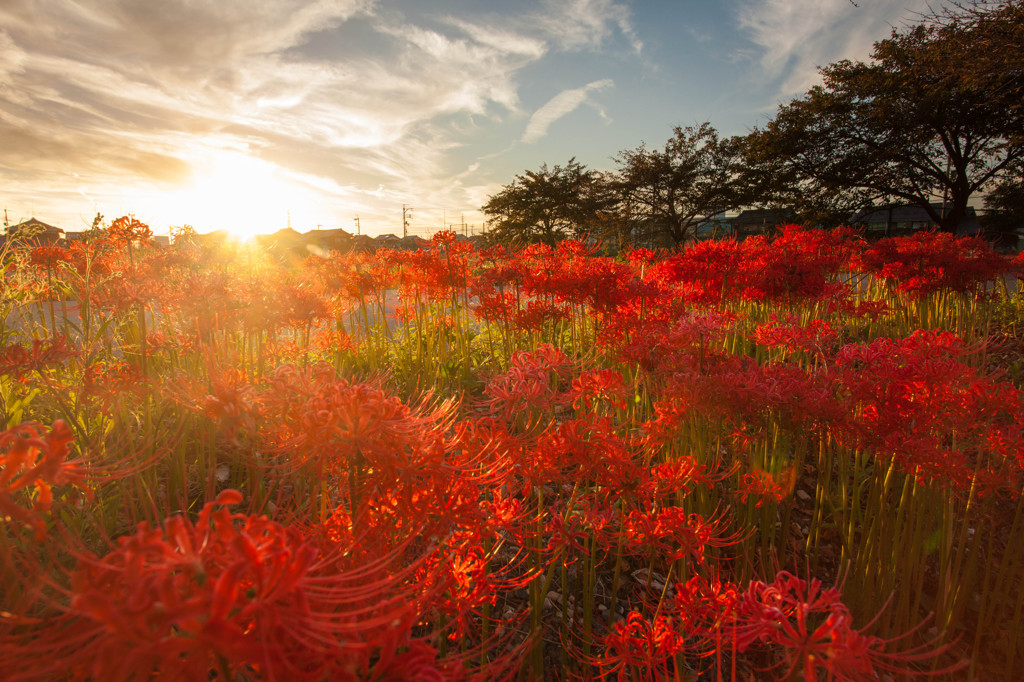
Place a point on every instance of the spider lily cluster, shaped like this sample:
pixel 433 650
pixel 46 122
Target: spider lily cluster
pixel 797 458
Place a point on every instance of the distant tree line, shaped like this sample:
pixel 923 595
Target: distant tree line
pixel 933 118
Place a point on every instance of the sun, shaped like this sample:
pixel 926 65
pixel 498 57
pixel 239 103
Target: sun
pixel 241 194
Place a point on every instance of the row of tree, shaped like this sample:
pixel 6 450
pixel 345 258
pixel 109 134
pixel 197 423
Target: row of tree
pixel 934 117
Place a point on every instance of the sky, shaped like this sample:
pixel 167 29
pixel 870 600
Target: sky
pixel 253 115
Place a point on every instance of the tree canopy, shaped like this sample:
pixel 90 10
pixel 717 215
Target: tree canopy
pixel 934 117
pixel 547 205
pixel 913 125
pixel 694 178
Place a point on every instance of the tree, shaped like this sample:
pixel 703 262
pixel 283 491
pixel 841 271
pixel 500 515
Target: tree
pixel 1004 207
pixel 994 32
pixel 548 205
pixel 695 178
pixel 912 126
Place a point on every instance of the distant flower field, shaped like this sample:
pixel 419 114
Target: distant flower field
pixel 796 458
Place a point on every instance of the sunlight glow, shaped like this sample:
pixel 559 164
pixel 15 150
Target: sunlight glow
pixel 239 193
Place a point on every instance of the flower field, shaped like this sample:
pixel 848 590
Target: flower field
pixel 797 458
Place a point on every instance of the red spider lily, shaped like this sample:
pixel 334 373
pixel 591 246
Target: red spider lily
pixel 693 342
pixel 535 314
pixel 587 516
pixel 206 302
pixel 359 275
pixel 133 285
pixel 854 308
pixel 750 396
pixel 228 593
pixel 300 306
pixel 339 424
pixel 638 649
pixel 679 477
pixel 231 403
pixel 915 400
pixel 700 272
pixel 932 261
pixel 599 283
pixel 508 516
pixel 127 229
pixel 798 264
pixel 332 341
pixel 815 337
pixel 763 486
pixel 585 451
pixel 17 361
pixel 593 387
pixel 30 465
pixel 533 382
pixel 706 605
pixel 673 534
pixel 814 629
pixel 49 257
pixel 105 384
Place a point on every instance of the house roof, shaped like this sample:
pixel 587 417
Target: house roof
pixel 763 216
pixel 215 236
pixel 284 233
pixel 33 224
pixel 336 232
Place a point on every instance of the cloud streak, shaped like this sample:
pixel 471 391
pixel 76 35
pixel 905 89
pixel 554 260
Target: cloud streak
pixel 586 24
pixel 558 106
pixel 131 98
pixel 794 37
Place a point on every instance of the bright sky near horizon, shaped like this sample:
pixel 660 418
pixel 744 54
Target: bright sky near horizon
pixel 250 114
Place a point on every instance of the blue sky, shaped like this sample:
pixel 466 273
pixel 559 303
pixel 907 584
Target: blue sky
pixel 248 114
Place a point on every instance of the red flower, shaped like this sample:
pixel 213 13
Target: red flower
pixel 639 645
pixel 33 462
pixel 17 361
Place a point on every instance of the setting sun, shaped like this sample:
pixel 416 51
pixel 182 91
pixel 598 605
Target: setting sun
pixel 238 193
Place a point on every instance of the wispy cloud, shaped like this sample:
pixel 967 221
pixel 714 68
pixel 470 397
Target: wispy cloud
pixel 149 96
pixel 586 24
pixel 795 37
pixel 558 106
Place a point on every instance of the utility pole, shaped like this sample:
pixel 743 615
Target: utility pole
pixel 406 210
pixel 357 224
pixel 462 217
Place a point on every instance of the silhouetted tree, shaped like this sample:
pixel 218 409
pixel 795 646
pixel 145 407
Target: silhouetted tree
pixel 548 205
pixel 671 191
pixel 918 124
pixel 1004 207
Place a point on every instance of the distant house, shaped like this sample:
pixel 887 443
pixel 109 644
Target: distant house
pixel 389 241
pixel 286 237
pixel 887 221
pixel 719 226
pixel 36 231
pixel 215 238
pixel 328 240
pixel 760 221
pixel 415 242
pixel 363 242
